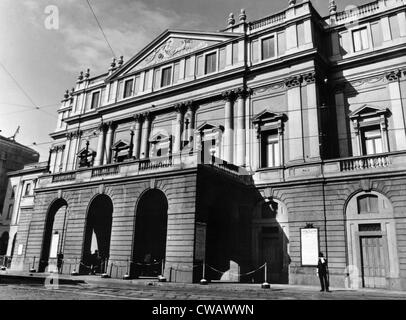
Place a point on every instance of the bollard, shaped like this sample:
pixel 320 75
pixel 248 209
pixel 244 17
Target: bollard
pixel 74 272
pixel 266 285
pixel 203 281
pixel 105 274
pixel 161 277
pixel 33 264
pixel 126 276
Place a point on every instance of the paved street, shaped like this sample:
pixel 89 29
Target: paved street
pixel 160 291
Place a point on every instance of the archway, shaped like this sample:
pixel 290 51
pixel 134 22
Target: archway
pixel 96 246
pixel 54 234
pixel 371 238
pixel 150 234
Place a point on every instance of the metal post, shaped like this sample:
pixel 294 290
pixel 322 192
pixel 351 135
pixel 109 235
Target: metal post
pixel 33 266
pixel 203 280
pixel 266 285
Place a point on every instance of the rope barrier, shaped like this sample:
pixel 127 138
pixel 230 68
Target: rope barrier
pixel 234 274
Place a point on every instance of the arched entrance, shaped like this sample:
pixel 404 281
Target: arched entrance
pixel 96 246
pixel 371 238
pixel 150 234
pixel 54 234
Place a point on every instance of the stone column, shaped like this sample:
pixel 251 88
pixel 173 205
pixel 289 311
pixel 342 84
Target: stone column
pixel 357 150
pixel 384 134
pixel 67 152
pixel 295 131
pixel 137 136
pixel 397 110
pixel 191 108
pixel 312 116
pixel 145 135
pixel 109 141
pixel 240 128
pixel 178 128
pixel 100 146
pixel 228 126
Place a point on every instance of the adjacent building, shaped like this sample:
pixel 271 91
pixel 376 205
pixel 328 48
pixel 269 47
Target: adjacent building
pixel 13 156
pixel 265 142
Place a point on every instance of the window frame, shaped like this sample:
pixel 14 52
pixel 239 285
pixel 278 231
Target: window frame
pixel 260 40
pixel 91 100
pixel 28 185
pixel 367 27
pixel 211 52
pixel 171 67
pixel 132 87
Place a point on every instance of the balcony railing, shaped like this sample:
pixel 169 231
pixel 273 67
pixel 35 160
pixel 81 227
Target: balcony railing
pixel 365 162
pixel 64 177
pixel 105 171
pixel 156 163
pixel 268 21
pixel 364 10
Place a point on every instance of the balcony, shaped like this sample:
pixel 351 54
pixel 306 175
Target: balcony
pixel 140 168
pixel 344 167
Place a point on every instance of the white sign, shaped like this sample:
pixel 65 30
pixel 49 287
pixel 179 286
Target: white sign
pixel 54 246
pixel 309 246
pixel 20 250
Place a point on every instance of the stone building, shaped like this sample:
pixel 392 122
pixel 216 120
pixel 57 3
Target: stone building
pixel 267 141
pixel 13 156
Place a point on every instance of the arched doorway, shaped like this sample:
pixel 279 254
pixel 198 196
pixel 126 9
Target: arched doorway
pixel 96 246
pixel 54 234
pixel 371 239
pixel 4 243
pixel 150 234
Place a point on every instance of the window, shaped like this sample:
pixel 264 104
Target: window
pixel 146 81
pixel 128 88
pixel 368 227
pixel 268 48
pixel 270 149
pixel 176 72
pixel 371 141
pixel 211 63
pixel 222 62
pixel 13 192
pixel 95 100
pixel 166 77
pixel 360 39
pixel 367 204
pixel 394 26
pixel 27 191
pixel 10 211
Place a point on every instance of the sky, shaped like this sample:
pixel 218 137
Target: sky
pixel 41 57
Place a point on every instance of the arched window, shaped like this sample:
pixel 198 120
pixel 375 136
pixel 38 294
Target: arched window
pixel 367 203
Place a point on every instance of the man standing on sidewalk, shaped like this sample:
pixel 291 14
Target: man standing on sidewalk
pixel 322 272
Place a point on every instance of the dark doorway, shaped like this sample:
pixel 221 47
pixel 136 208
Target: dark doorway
pixel 150 234
pixel 54 225
pixel 96 246
pixel 4 243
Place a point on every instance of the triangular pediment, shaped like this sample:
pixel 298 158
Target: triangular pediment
pixel 84 150
pixel 159 136
pixel 267 115
pixel 170 45
pixel 207 126
pixel 120 144
pixel 367 111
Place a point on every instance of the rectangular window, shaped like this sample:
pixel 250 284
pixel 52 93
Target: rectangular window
pixel 367 204
pixel 372 141
pixel 120 89
pixel 13 192
pixel 377 37
pixel 235 52
pixel 394 26
pixel 200 65
pixel 222 62
pixel 128 88
pixel 270 150
pixel 95 100
pixel 268 48
pixel 211 63
pixel 176 72
pixel 27 191
pixel 166 77
pixel 281 43
pixel 146 79
pixel 10 211
pixel 300 34
pixel 360 39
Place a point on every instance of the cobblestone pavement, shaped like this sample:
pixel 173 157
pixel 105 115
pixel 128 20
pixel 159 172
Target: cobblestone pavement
pixel 159 291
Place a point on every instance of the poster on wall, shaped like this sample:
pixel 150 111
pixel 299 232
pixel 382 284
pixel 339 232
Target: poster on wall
pixel 54 246
pixel 200 242
pixel 20 249
pixel 309 246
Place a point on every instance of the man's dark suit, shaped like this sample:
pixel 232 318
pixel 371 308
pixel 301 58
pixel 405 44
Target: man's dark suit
pixel 323 271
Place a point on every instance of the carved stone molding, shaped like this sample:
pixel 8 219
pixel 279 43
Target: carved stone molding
pixel 293 82
pixel 310 77
pixel 393 75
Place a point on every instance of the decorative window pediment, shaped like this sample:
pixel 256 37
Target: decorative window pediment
pixel 120 144
pixel 207 127
pixel 268 116
pixel 369 111
pixel 159 137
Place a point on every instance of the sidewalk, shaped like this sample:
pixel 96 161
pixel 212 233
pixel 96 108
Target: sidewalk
pixel 98 281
